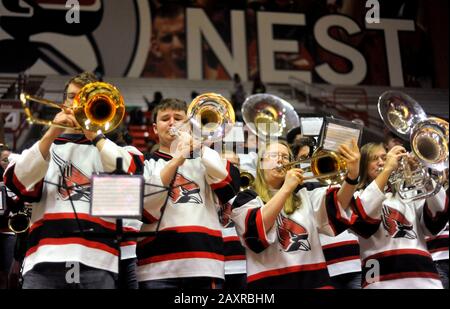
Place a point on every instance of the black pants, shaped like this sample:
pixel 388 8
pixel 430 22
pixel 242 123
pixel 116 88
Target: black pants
pixel 442 268
pixel 183 283
pixel 7 243
pixel 347 281
pixel 59 276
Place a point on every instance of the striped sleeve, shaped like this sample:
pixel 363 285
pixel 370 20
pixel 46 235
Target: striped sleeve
pixel 228 188
pixel 155 194
pixel 25 175
pixel 368 204
pixel 331 218
pixel 249 224
pixel 368 213
pixel 216 169
pixel 435 213
pixel 110 152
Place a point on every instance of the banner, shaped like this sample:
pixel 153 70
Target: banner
pixel 353 42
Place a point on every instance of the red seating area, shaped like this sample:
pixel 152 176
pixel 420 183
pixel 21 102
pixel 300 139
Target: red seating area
pixel 143 135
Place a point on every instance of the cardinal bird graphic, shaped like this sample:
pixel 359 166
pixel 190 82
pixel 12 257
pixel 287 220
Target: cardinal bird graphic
pixel 291 235
pixel 185 191
pixel 225 215
pixel 396 224
pixel 78 184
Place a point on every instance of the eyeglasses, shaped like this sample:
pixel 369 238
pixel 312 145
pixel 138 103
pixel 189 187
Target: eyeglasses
pixel 276 156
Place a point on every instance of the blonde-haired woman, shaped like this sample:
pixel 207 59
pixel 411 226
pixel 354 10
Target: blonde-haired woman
pixel 279 224
pixel 392 232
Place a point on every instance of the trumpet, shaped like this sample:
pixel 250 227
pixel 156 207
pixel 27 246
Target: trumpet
pixel 247 181
pixel 97 107
pixel 327 167
pixel 211 115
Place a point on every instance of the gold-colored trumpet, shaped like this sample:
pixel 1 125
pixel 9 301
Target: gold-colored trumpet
pixel 98 106
pixel 327 167
pixel 247 181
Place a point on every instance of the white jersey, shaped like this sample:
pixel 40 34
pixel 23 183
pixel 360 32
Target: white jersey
pixel 189 242
pixel 54 234
pixel 289 255
pixel 234 252
pixel 438 245
pixel 341 253
pixel 128 246
pixel 392 238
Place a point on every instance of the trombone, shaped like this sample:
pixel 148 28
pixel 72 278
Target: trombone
pixel 211 115
pixel 327 167
pixel 98 106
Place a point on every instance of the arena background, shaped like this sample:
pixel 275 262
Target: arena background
pixel 316 41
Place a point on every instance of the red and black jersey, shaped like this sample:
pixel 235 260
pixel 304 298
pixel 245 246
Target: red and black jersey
pixel 438 245
pixel 189 242
pixel 53 186
pixel 289 255
pixel 233 250
pixel 341 253
pixel 392 238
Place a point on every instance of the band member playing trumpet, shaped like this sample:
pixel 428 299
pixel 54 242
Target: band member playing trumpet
pixel 54 176
pixel 280 226
pixel 187 251
pixel 392 231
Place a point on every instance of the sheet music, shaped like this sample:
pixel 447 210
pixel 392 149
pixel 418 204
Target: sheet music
pixel 311 126
pixel 337 135
pixel 117 196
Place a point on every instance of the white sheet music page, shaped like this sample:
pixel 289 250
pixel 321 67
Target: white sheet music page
pixel 337 135
pixel 311 126
pixel 116 196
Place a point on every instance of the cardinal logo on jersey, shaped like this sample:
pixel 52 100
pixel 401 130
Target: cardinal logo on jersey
pixel 185 191
pixel 73 182
pixel 396 224
pixel 291 235
pixel 225 215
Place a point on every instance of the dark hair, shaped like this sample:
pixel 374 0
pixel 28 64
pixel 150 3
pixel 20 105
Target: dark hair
pixel 169 10
pixel 169 103
pixel 80 80
pixel 305 141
